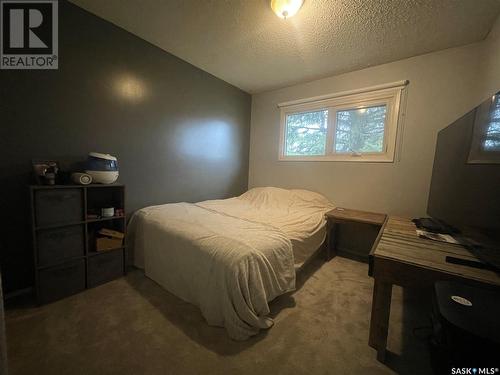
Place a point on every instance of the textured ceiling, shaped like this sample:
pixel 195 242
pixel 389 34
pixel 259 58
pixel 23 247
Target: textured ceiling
pixel 244 43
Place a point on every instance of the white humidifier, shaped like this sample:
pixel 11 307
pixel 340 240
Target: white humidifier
pixel 102 167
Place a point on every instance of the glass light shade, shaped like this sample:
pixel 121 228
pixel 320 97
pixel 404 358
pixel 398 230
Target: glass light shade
pixel 286 8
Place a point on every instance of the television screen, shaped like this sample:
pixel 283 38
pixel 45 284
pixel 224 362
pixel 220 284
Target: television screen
pixel 465 186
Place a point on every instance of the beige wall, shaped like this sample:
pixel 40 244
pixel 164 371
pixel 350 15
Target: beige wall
pixel 491 63
pixel 443 86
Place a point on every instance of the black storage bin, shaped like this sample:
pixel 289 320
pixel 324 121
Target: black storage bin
pixel 59 244
pixel 104 267
pixel 61 281
pixel 56 206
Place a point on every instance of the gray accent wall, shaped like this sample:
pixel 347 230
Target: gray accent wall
pixel 179 133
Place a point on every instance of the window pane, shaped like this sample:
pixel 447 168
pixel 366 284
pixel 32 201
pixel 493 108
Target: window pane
pixel 306 133
pixel 360 130
pixel 492 139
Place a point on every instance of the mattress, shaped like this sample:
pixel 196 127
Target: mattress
pixel 230 257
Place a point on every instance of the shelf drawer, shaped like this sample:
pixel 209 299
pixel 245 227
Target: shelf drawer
pixel 59 244
pixel 105 267
pixel 58 206
pixel 61 281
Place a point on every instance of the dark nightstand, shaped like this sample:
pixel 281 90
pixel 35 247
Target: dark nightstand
pixel 344 215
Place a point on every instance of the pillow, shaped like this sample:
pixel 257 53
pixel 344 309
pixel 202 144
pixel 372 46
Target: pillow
pixel 273 197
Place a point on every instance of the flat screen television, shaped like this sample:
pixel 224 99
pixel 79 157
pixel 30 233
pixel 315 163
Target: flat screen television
pixel 465 185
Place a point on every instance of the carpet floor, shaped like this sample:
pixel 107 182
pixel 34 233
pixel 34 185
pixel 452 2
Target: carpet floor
pixel 133 326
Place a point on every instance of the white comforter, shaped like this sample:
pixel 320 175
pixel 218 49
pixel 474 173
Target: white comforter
pixel 229 257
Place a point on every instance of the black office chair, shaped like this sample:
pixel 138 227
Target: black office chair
pixel 466 327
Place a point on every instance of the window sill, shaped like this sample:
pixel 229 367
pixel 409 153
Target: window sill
pixel 341 158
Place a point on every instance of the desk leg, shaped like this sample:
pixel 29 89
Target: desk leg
pixel 379 323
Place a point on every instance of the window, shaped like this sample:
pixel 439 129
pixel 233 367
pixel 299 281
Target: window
pixel 306 133
pixel 360 130
pixel 352 127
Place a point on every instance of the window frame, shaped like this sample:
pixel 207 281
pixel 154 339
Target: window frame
pixel 390 97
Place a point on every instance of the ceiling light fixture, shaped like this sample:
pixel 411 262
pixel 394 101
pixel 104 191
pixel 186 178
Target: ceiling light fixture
pixel 286 8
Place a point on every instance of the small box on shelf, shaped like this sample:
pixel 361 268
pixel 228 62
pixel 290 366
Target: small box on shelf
pixel 109 239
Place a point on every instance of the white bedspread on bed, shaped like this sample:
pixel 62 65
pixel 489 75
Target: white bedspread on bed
pixel 228 257
pixel 300 214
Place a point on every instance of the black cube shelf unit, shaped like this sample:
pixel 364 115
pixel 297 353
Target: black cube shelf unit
pixel 66 260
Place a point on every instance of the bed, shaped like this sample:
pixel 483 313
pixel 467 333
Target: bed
pixel 230 257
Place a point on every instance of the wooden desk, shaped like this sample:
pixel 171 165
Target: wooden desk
pixel 400 257
pixel 344 215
